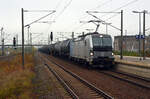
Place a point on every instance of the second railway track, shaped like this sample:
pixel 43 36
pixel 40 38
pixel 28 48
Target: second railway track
pixel 79 87
pixel 135 80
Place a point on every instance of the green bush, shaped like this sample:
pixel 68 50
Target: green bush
pixel 147 53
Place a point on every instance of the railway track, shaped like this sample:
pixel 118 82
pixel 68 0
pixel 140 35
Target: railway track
pixel 132 75
pixel 76 86
pixel 67 88
pixel 107 83
pixel 132 79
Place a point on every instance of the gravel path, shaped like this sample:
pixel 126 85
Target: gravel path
pixel 46 86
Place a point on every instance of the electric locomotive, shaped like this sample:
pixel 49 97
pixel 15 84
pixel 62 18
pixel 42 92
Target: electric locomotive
pixel 93 49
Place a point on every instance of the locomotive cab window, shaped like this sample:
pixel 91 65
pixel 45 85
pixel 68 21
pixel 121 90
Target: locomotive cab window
pixel 97 41
pixel 107 41
pixel 101 41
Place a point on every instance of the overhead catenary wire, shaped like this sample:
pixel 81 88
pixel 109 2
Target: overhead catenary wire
pixel 76 28
pixel 99 6
pixel 133 1
pixel 113 11
pixel 56 8
pixel 38 10
pixel 8 38
pixel 103 21
pixel 108 1
pixel 52 17
pixel 51 12
pixel 37 35
pixel 112 17
pixel 40 18
pixel 60 1
pixel 65 7
pixel 115 14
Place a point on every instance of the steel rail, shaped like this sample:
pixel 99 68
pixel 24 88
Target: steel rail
pixel 133 76
pixel 126 80
pixel 67 88
pixel 97 90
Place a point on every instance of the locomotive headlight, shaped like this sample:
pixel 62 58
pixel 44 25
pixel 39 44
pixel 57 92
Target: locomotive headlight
pixel 91 53
pixel 112 54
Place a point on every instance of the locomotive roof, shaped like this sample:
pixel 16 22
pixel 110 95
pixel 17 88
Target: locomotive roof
pixel 94 33
pixel 81 37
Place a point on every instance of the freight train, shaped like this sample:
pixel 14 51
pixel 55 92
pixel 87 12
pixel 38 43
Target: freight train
pixel 92 49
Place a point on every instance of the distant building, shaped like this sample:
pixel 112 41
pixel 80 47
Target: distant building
pixel 130 43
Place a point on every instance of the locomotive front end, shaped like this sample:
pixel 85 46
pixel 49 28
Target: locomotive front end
pixel 101 52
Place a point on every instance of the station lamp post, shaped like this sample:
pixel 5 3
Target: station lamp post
pixel 139 37
pixel 139 32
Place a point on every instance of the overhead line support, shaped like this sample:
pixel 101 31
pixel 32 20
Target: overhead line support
pixel 121 49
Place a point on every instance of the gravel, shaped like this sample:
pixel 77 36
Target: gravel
pixel 114 87
pixel 46 86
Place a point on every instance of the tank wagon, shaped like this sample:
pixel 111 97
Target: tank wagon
pixel 45 49
pixel 65 48
pixel 93 49
pixel 57 49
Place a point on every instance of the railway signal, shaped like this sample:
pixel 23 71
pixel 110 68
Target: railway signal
pixel 14 41
pixel 2 40
pixel 51 36
pixel 3 47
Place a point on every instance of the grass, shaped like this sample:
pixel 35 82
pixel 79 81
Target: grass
pixel 127 53
pixel 16 83
pixel 17 50
pixel 131 53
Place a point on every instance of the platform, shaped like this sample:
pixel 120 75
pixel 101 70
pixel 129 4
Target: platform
pixel 133 65
pixel 134 60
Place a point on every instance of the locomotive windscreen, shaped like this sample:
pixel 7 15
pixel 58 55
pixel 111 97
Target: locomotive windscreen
pixel 101 41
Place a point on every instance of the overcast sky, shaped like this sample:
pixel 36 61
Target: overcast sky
pixel 68 15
